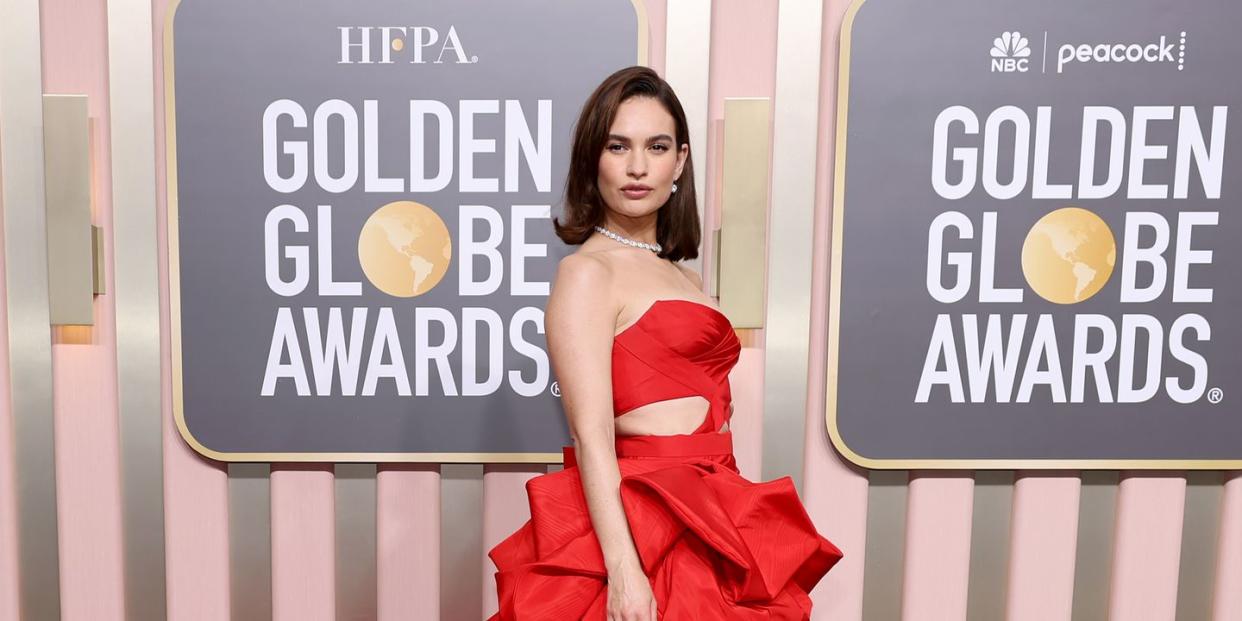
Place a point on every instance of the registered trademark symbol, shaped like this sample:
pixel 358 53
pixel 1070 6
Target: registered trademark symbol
pixel 556 389
pixel 474 59
pixel 1215 395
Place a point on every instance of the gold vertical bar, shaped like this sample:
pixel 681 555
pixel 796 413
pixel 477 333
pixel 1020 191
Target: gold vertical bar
pixel 714 288
pixel 461 511
pixel 67 191
pixel 885 551
pixel 991 515
pixel 1093 564
pixel 356 498
pixel 131 85
pixel 787 325
pixel 744 210
pixel 29 328
pixel 1200 534
pixel 250 542
pixel 687 55
pixel 644 32
pixel 98 281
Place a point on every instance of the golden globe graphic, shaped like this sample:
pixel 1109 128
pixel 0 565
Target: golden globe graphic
pixel 1068 255
pixel 405 249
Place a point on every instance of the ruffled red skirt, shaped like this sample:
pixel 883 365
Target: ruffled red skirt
pixel 713 544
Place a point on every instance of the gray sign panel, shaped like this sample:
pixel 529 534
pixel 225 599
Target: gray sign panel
pixel 1032 258
pixel 360 203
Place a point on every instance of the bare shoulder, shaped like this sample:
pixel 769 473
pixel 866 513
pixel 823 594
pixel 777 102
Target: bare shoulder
pixel 582 307
pixel 691 274
pixel 584 282
pixel 583 273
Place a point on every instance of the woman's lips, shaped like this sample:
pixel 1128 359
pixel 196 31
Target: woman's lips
pixel 635 194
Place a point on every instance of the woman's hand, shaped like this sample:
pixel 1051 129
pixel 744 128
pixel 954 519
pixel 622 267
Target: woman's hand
pixel 629 596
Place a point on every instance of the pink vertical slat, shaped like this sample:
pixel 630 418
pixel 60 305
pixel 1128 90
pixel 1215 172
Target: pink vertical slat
pixel 735 71
pixel 657 20
pixel 746 384
pixel 196 528
pixel 835 491
pixel 408 541
pixel 505 509
pixel 196 515
pixel 88 486
pixel 1044 541
pixel 1227 602
pixel 938 521
pixel 1148 546
pixel 303 542
pixel 835 494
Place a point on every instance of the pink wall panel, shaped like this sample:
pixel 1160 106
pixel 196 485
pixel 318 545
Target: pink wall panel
pixel 1148 545
pixel 656 19
pixel 741 70
pixel 736 71
pixel 196 514
pixel 938 521
pixel 88 487
pixel 196 531
pixel 73 38
pixel 746 384
pixel 1227 604
pixel 303 542
pixel 408 541
pixel 1044 540
pixel 835 494
pixel 505 509
pixel 834 490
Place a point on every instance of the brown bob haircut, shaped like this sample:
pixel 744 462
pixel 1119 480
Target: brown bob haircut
pixel 677 221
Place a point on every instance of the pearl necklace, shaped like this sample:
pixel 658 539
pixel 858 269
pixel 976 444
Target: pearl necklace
pixel 656 248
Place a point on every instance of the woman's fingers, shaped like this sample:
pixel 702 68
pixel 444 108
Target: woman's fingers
pixel 639 615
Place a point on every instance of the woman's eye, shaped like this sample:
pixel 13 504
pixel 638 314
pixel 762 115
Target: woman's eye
pixel 661 147
pixel 615 147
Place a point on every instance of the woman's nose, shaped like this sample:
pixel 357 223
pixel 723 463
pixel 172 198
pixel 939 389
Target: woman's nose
pixel 637 165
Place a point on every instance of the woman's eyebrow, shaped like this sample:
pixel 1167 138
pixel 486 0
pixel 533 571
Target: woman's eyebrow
pixel 656 138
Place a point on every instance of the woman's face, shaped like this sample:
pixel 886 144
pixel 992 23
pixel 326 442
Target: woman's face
pixel 640 160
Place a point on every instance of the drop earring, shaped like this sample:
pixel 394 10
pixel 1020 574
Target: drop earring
pixel 674 188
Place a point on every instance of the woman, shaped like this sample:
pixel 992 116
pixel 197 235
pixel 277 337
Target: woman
pixel 649 519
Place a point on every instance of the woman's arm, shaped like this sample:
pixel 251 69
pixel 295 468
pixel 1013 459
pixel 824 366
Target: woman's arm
pixel 580 321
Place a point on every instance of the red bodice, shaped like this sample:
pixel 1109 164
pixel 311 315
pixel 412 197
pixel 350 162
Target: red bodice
pixel 677 348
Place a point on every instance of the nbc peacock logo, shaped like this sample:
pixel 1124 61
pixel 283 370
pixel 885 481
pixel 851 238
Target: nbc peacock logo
pixel 1011 52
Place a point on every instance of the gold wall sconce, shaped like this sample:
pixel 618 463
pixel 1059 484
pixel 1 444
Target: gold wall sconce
pixel 74 245
pixel 741 242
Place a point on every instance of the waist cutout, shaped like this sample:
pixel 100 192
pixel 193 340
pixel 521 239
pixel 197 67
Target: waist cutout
pixel 671 446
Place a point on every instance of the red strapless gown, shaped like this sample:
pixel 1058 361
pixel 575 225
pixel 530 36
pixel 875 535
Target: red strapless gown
pixel 714 545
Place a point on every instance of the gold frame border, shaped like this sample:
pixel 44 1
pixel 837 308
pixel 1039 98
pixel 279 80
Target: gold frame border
pixel 834 306
pixel 643 28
